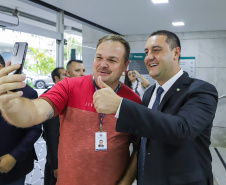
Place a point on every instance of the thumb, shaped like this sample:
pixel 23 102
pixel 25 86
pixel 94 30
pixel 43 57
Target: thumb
pixel 101 84
pixel 8 63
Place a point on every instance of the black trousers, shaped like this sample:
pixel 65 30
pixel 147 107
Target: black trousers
pixel 49 178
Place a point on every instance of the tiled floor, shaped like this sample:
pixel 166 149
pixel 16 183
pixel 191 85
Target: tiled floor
pixel 36 176
pixel 219 170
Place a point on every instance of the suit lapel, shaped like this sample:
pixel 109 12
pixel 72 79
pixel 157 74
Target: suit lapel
pixel 147 95
pixel 176 88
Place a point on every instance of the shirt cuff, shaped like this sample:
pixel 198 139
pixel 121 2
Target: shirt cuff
pixel 117 113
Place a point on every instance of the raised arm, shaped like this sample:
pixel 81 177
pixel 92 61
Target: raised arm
pixel 26 113
pixel 145 83
pixel 16 110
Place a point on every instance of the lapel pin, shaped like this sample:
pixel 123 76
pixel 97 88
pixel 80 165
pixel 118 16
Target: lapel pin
pixel 178 89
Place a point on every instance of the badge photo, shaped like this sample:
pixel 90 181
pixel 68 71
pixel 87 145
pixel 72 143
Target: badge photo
pixel 101 141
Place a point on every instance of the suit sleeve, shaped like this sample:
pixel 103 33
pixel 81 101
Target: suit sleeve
pixel 193 114
pixel 31 135
pixel 51 135
pixel 26 146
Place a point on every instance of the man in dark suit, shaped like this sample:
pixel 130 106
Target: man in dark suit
pixel 101 143
pixel 175 134
pixel 17 152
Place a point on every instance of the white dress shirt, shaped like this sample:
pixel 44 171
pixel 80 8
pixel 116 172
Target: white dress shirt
pixel 166 86
pixel 140 88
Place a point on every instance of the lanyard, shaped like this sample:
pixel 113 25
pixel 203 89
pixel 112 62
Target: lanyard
pixel 102 115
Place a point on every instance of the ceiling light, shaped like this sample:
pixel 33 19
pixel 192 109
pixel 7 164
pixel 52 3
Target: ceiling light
pixel 178 23
pixel 159 1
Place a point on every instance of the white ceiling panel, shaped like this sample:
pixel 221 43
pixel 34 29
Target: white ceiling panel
pixel 135 16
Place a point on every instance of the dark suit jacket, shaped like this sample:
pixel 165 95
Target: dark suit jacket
pixel 51 135
pixel 177 150
pixel 19 142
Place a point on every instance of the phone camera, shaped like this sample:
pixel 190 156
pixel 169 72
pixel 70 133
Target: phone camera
pixel 15 49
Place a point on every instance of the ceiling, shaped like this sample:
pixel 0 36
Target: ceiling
pixel 129 17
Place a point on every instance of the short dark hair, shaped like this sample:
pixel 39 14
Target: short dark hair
pixel 117 38
pixel 56 72
pixel 2 61
pixel 74 60
pixel 172 39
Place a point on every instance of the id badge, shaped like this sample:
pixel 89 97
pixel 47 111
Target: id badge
pixel 101 141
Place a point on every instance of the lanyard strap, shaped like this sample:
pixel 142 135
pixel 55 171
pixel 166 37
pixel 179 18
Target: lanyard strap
pixel 102 115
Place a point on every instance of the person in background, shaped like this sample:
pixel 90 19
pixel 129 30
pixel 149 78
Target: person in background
pixel 51 136
pixel 17 152
pixel 174 122
pixel 75 68
pixel 133 83
pixel 58 74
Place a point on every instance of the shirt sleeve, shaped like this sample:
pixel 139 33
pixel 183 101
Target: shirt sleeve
pixel 58 95
pixel 25 147
pixel 118 110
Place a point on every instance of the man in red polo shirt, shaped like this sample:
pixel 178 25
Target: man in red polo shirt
pixel 81 161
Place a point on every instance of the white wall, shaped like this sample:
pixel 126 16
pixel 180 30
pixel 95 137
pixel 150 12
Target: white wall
pixel 89 42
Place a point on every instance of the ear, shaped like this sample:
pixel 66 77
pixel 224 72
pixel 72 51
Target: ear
pixel 1 66
pixel 56 79
pixel 177 53
pixel 126 64
pixel 67 73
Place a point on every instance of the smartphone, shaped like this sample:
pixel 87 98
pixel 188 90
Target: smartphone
pixel 18 56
